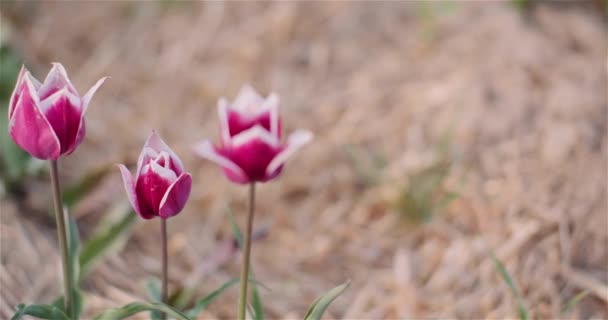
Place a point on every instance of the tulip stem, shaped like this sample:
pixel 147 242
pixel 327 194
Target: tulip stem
pixel 165 275
pixel 246 254
pixel 62 237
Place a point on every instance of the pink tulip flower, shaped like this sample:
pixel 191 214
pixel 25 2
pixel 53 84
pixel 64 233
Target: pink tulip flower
pixel 161 186
pixel 47 119
pixel 251 149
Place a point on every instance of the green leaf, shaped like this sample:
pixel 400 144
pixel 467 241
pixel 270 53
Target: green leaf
pixel 73 193
pixel 574 301
pixel 523 312
pixel 13 160
pixel 77 302
pixel 137 307
pixel 235 228
pixel 110 236
pixel 318 307
pixel 204 302
pixel 41 311
pixel 74 266
pixel 256 301
pixel 154 293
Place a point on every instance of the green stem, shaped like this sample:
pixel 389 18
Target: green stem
pixel 61 236
pixel 165 275
pixel 246 254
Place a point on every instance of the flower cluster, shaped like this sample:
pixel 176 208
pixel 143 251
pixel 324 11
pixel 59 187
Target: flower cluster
pixel 47 121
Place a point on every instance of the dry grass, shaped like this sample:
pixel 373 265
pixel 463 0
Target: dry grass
pixel 523 99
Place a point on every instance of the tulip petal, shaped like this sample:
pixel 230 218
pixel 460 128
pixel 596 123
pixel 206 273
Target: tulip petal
pixel 55 80
pixel 272 104
pixel 222 111
pixel 85 105
pixel 163 173
pixel 157 144
pixel 129 184
pixel 233 171
pixel 151 186
pixel 63 111
pixel 256 132
pixel 176 196
pixel 295 141
pixel 145 156
pixel 28 126
pixel 17 92
pixel 247 100
pixel 86 99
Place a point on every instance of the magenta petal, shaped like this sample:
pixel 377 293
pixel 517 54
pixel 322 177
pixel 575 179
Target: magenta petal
pixel 85 105
pixel 238 122
pixel 232 170
pixel 30 129
pixel 153 146
pixel 86 99
pixel 295 141
pixel 151 186
pixel 55 80
pixel 176 196
pixel 127 180
pixel 252 156
pixel 19 86
pixel 64 112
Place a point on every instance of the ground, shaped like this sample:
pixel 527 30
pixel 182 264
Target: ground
pixel 510 101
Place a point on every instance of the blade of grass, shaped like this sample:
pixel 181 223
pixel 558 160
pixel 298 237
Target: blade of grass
pixel 574 301
pixel 318 307
pixel 521 308
pixel 111 235
pixel 40 311
pixel 204 302
pixel 137 307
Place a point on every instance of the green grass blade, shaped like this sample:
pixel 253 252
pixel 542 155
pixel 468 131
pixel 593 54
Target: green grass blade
pixel 74 193
pixel 202 304
pixel 574 301
pixel 154 293
pixel 109 237
pixel 137 307
pixel 40 311
pixel 74 266
pixel 256 301
pixel 318 307
pixel 521 308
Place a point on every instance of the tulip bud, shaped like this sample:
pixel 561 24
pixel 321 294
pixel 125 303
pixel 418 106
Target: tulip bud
pixel 161 186
pixel 47 119
pixel 251 148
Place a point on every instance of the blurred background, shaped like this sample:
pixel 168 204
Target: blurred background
pixel 445 133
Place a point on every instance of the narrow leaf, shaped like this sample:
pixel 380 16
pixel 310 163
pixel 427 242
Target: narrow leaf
pixel 109 237
pixel 318 307
pixel 137 307
pixel 256 301
pixel 574 301
pixel 73 193
pixel 74 266
pixel 154 293
pixel 235 228
pixel 204 302
pixel 41 311
pixel 523 312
